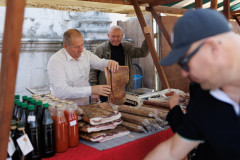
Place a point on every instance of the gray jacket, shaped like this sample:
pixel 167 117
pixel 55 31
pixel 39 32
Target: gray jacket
pixel 130 51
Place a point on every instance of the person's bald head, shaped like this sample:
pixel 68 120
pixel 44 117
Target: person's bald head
pixel 73 43
pixel 71 33
pixel 115 35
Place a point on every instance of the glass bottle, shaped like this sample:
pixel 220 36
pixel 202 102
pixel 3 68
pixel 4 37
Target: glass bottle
pixel 19 110
pixel 61 129
pixel 21 132
pixel 24 114
pixel 33 102
pixel 48 132
pixel 17 97
pixel 14 134
pixel 34 133
pixel 39 111
pixel 29 100
pixel 24 99
pixel 73 131
pixel 15 108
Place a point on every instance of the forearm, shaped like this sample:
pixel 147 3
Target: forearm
pixel 67 92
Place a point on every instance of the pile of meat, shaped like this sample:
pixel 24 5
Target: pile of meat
pixel 164 96
pixel 141 119
pixel 100 123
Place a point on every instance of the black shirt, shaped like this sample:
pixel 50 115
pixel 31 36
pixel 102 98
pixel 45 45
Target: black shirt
pixel 117 54
pixel 214 122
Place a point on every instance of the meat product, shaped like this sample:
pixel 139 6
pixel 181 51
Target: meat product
pixel 118 81
pixel 85 127
pixel 156 102
pixel 103 136
pixel 138 111
pixel 96 115
pixel 133 127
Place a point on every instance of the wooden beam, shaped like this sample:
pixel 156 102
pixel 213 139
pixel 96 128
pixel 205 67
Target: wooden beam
pixel 151 47
pixel 169 10
pixel 214 4
pixel 157 2
pixel 198 3
pixel 10 55
pixel 161 26
pixel 226 9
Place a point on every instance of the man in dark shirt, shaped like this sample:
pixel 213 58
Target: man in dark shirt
pixel 120 51
pixel 207 51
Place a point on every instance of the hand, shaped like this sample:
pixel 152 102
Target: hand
pixel 147 30
pixel 113 65
pixel 174 100
pixel 103 90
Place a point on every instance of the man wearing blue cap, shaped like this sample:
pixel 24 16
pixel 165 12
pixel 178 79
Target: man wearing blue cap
pixel 206 49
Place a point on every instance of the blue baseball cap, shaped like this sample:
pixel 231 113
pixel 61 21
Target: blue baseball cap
pixel 193 26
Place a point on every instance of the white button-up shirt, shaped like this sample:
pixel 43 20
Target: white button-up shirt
pixel 69 77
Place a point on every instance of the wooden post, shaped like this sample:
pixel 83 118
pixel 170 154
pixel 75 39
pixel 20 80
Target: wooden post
pixel 198 3
pixel 161 26
pixel 10 56
pixel 214 4
pixel 226 9
pixel 151 47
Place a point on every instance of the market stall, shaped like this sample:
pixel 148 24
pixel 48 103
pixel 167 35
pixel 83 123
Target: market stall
pixel 11 48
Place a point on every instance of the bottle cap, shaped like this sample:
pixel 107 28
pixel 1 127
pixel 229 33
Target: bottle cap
pixel 19 103
pixel 45 105
pixel 31 107
pixel 24 98
pixel 39 103
pixel 33 101
pixel 70 102
pixel 29 99
pixel 16 97
pixel 48 95
pixel 16 100
pixel 58 106
pixel 13 122
pixel 21 124
pixel 24 105
pixel 35 95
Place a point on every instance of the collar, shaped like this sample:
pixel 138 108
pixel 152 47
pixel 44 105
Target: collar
pixel 69 58
pixel 222 96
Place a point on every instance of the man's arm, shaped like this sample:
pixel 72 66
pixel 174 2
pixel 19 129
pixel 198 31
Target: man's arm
pixel 174 148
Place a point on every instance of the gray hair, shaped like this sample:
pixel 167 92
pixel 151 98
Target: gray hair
pixel 68 34
pixel 115 28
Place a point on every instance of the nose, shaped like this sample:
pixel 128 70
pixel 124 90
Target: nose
pixel 184 73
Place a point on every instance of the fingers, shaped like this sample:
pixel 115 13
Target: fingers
pixel 105 90
pixel 113 66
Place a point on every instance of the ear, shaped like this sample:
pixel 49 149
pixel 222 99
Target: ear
pixel 108 35
pixel 64 45
pixel 215 48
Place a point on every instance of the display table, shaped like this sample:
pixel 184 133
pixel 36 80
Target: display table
pixel 135 150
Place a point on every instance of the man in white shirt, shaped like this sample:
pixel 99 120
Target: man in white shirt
pixel 69 68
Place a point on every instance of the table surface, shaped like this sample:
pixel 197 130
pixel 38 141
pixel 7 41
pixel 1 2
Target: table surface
pixel 135 150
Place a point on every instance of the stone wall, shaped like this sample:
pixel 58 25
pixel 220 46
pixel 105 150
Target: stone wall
pixel 42 37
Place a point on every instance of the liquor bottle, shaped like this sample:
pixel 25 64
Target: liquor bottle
pixel 19 111
pixel 24 114
pixel 15 108
pixel 39 111
pixel 48 133
pixel 34 133
pixel 24 99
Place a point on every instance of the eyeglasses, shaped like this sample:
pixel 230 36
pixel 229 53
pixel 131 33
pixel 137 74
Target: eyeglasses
pixel 183 62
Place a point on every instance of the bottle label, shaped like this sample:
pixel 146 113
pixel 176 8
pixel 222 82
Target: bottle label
pixel 11 147
pixel 31 118
pixel 25 144
pixel 72 123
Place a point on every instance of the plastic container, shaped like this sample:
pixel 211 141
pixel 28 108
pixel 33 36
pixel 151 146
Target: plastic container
pixel 73 131
pixel 137 79
pixel 61 129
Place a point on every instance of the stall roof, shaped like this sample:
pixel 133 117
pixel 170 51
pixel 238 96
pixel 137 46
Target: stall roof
pixel 119 6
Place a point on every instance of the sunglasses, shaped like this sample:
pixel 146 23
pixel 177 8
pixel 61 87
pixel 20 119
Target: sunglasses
pixel 183 62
